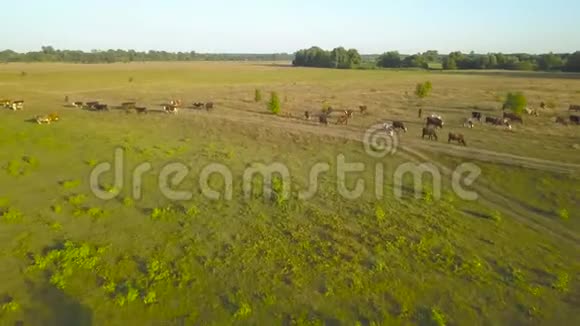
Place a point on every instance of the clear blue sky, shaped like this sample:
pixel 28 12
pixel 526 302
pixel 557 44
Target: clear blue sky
pixel 265 26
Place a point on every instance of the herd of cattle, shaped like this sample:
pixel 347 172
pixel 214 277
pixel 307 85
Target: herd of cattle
pixel 172 107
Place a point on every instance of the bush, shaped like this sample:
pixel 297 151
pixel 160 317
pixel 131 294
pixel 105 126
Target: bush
pixel 423 89
pixel 515 102
pixel 274 105
pixel 257 95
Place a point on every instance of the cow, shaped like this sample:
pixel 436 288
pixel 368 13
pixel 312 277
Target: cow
pixel 323 119
pixel 388 127
pixel 434 121
pixel 128 105
pixel 430 132
pixel 17 105
pixel 170 109
pixel 476 116
pixel 562 120
pixel 209 106
pixel 141 109
pixel 175 103
pixel 542 105
pixel 91 105
pixel 399 125
pixel 456 137
pixel 307 115
pixel 362 109
pixel 574 107
pixel 498 122
pixel 468 123
pixel 6 103
pixel 531 111
pixel 513 117
pixel 101 107
pixel 78 104
pixel 198 105
pixel 47 119
pixel 575 119
pixel 343 119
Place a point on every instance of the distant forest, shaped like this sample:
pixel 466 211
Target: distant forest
pixel 346 59
pixel 339 58
pixel 49 54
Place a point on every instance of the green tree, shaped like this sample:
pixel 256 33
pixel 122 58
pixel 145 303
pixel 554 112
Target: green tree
pixel 274 105
pixel 390 59
pixel 515 102
pixel 354 57
pixel 257 95
pixel 573 63
pixel 449 63
pixel 550 61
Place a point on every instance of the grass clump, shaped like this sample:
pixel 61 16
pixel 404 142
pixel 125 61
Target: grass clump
pixel 77 200
pixel 562 282
pixel 71 184
pixel 274 105
pixel 564 214
pixel 257 95
pixel 437 317
pixel 11 215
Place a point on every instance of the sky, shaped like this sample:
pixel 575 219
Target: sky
pixel 267 26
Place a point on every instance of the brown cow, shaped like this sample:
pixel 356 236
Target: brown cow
pixel 434 121
pixel 456 137
pixel 399 125
pixel 343 119
pixel 307 115
pixel 363 109
pixel 427 131
pixel 323 119
pixel 141 109
pixel 209 106
pixel 574 107
pixel 513 117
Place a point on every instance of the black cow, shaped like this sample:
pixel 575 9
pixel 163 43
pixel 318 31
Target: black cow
pixel 574 107
pixel 198 105
pixel 92 105
pixel 434 121
pixel 141 109
pixel 575 119
pixel 456 137
pixel 513 117
pixel 101 107
pixel 430 132
pixel 399 125
pixel 323 119
pixel 476 115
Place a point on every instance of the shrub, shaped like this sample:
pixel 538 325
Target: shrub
pixel 564 214
pixel 437 317
pixel 515 102
pixel 274 105
pixel 562 282
pixel 380 213
pixel 258 95
pixel 422 90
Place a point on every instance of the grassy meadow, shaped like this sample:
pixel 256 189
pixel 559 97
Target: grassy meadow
pixel 69 258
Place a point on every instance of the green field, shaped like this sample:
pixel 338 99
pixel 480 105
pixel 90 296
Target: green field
pixel 69 258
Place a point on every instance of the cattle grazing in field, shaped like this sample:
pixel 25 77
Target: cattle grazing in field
pixel 399 125
pixel 468 123
pixel 209 106
pixel 435 121
pixel 91 105
pixel 128 105
pixel 388 127
pixel 170 109
pixel 574 107
pixel 363 109
pixel 6 103
pixel 575 119
pixel 343 119
pixel 562 120
pixel 78 104
pixel 513 117
pixel 457 137
pixel 476 116
pixel 307 115
pixel 47 119
pixel 175 103
pixel 198 105
pixel 141 109
pixel 323 119
pixel 430 132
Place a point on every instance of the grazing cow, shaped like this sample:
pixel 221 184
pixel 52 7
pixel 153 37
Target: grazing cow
pixel 6 103
pixel 531 111
pixel 78 104
pixel 17 105
pixel 141 109
pixel 434 121
pixel 307 115
pixel 468 123
pixel 101 107
pixel 575 119
pixel 209 106
pixel 343 119
pixel 399 125
pixel 198 105
pixel 456 137
pixel 476 116
pixel 91 105
pixel 47 119
pixel 388 127
pixel 362 109
pixel 562 120
pixel 323 119
pixel 175 103
pixel 498 122
pixel 430 132
pixel 574 107
pixel 513 117
pixel 128 105
pixel 170 109
pixel 542 105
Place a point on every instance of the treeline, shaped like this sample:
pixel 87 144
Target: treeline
pixel 49 54
pixel 317 57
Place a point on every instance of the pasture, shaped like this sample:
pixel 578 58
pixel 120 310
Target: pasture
pixel 70 258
